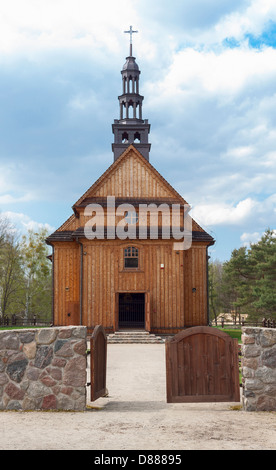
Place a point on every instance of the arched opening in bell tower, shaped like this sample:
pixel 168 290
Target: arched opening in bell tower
pixel 137 137
pixel 125 137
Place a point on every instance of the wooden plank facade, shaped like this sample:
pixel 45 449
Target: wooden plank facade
pixel 90 275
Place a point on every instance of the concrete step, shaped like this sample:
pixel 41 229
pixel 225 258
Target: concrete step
pixel 133 336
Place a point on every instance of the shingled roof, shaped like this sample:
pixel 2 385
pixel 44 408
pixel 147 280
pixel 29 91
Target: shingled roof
pixel 72 235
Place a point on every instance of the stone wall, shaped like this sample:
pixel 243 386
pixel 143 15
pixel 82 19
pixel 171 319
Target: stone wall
pixel 259 369
pixel 42 369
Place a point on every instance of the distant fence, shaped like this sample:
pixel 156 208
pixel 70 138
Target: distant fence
pixel 267 323
pixel 264 323
pixel 14 320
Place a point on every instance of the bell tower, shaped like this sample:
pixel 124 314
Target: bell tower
pixel 131 128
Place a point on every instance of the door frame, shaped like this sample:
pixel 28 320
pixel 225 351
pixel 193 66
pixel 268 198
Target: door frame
pixel 116 307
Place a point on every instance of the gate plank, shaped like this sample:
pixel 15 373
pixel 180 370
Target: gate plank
pixel 98 347
pixel 202 366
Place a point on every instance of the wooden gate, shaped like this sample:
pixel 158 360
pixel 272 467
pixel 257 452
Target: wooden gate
pixel 98 358
pixel 202 365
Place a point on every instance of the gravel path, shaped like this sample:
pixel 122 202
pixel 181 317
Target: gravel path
pixel 135 416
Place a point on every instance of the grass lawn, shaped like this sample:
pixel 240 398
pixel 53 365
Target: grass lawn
pixel 234 333
pixel 14 327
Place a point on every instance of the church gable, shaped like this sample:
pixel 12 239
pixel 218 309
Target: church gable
pixel 131 176
pixel 130 179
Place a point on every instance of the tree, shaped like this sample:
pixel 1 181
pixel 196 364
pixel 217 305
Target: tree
pixel 215 290
pixel 37 273
pixel 11 276
pixel 246 284
pixel 262 258
pixel 235 285
pixel 25 274
pixel 250 278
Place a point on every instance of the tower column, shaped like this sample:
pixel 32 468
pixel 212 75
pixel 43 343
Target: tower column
pixel 140 110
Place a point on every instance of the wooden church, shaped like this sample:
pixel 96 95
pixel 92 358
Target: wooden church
pixel 133 277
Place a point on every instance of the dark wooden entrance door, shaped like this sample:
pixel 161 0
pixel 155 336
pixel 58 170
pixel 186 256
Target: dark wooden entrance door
pixel 98 351
pixel 202 365
pixel 131 310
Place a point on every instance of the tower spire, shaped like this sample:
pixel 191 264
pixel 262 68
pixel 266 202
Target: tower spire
pixel 131 128
pixel 130 32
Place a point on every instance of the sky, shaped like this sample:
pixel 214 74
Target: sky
pixel 208 77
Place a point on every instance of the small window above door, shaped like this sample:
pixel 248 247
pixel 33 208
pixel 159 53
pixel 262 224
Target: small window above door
pixel 131 257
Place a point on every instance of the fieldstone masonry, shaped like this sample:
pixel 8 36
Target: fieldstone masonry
pixel 259 369
pixel 42 369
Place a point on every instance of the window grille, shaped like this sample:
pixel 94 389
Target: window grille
pixel 131 257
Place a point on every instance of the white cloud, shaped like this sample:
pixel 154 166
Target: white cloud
pixel 10 182
pixel 224 214
pixel 251 17
pixel 10 199
pixel 82 101
pixel 249 213
pixel 248 238
pixel 30 25
pixel 8 170
pixel 224 73
pixel 24 223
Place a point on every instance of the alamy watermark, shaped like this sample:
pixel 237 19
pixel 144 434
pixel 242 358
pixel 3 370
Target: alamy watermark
pixel 126 222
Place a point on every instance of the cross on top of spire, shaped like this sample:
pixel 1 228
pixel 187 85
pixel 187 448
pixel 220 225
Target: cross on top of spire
pixel 130 32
